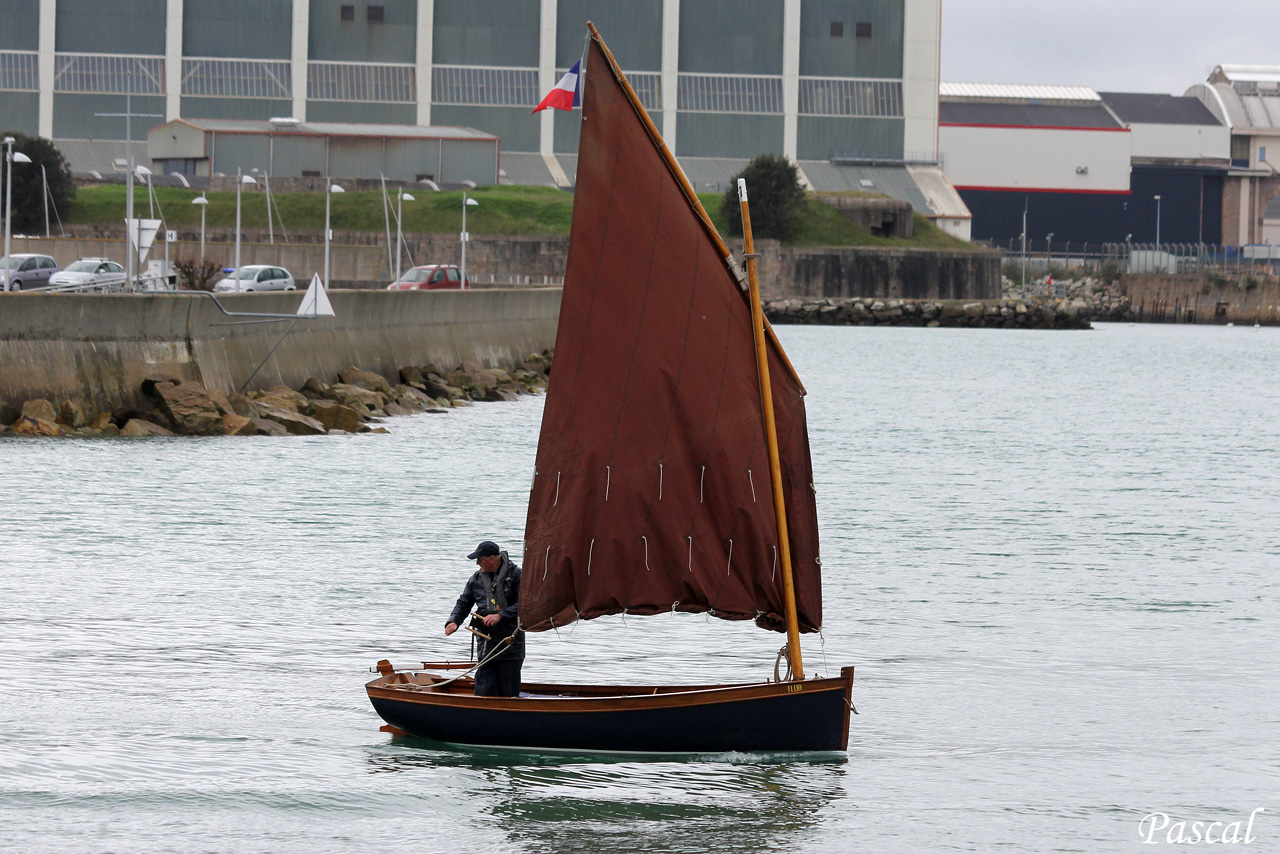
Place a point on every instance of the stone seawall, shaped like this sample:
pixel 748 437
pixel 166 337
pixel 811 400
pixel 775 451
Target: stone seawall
pixel 96 350
pixel 919 274
pixel 1211 296
pixel 986 314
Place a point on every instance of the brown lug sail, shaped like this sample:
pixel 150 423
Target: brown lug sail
pixel 652 488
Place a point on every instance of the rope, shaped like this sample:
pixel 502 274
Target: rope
pixel 498 650
pixel 777 665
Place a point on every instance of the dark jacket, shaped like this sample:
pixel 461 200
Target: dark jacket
pixel 473 596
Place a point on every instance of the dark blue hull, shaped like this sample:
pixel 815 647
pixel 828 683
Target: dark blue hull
pixel 803 716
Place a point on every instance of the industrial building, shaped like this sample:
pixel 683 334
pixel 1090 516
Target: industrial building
pixel 848 88
pixel 1246 99
pixel 286 148
pixel 1084 167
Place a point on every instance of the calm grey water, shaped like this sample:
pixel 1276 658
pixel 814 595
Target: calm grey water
pixel 1053 557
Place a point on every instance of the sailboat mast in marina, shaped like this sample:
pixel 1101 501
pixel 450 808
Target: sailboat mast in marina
pixel 672 472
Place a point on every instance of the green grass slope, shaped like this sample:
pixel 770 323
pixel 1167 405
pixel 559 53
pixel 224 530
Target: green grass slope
pixel 501 210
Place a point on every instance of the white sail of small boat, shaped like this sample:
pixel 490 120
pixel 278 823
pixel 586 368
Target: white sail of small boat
pixel 315 302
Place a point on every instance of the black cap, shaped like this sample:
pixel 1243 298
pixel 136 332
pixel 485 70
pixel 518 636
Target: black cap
pixel 486 549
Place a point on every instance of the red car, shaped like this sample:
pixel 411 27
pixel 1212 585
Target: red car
pixel 430 277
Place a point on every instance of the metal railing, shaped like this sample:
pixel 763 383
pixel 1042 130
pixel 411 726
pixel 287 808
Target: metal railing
pixel 842 96
pixel 108 74
pixel 503 280
pixel 730 93
pixel 1044 256
pixel 210 77
pixel 484 85
pixel 376 82
pixel 19 70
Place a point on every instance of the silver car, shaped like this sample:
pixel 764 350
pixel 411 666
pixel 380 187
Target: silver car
pixel 27 271
pixel 90 273
pixel 257 277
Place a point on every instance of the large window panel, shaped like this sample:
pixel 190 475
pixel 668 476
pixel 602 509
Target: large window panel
pixel 730 36
pixel 511 124
pixel 363 38
pixel 633 31
pixel 118 26
pixel 19 25
pixel 486 32
pixel 823 53
pixel 233 29
pixel 21 111
pixel 727 135
pixel 234 108
pixel 73 116
pixel 819 137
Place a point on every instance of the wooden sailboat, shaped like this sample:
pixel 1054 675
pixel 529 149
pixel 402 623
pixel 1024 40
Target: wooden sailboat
pixel 672 473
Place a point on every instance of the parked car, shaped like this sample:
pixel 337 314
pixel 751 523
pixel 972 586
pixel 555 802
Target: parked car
pixel 430 277
pixel 27 271
pixel 257 277
pixel 90 272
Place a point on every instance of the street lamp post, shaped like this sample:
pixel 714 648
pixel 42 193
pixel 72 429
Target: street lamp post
pixel 329 189
pixel 465 237
pixel 401 198
pixel 10 156
pixel 1025 204
pixel 241 180
pixel 1157 223
pixel 203 202
pixel 1048 265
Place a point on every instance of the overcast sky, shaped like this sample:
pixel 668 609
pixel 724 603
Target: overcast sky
pixel 1109 45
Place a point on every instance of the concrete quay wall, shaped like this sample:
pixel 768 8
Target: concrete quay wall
pixel 1240 297
pixel 885 273
pixel 96 349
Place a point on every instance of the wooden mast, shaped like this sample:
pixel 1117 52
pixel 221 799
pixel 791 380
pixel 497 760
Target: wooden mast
pixel 771 440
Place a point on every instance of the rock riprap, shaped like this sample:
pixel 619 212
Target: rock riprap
pixel 356 402
pixel 986 314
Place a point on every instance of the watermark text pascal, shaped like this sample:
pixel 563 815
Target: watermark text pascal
pixel 1158 828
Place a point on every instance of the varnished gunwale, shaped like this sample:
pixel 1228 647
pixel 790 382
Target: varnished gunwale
pixel 604 698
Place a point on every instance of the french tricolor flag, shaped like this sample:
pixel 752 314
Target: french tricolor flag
pixel 565 96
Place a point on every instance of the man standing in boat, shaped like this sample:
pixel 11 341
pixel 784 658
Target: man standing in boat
pixel 494 592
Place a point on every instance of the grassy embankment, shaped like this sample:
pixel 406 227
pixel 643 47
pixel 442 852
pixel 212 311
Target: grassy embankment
pixel 501 210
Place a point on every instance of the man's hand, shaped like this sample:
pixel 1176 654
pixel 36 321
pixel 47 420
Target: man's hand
pixel 492 620
pixel 450 629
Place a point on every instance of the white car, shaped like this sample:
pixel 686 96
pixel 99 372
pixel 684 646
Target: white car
pixel 90 273
pixel 257 277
